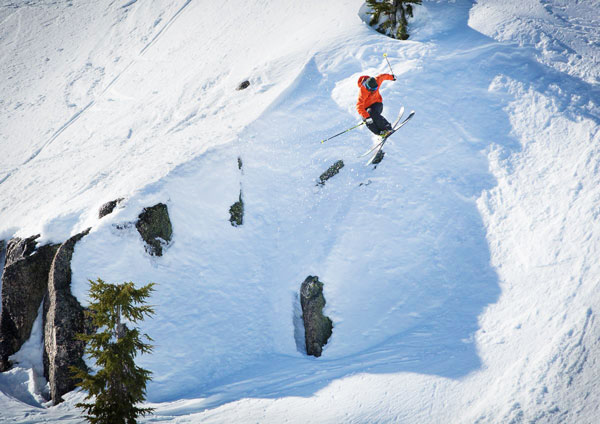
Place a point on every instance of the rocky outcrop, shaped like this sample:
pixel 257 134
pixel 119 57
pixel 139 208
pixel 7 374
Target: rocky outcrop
pixel 33 275
pixel 317 327
pixel 155 228
pixel 63 320
pixel 108 207
pixel 333 170
pixel 236 212
pixel 24 285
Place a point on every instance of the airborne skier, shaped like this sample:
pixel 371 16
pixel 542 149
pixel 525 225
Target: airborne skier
pixel 370 106
pixel 370 103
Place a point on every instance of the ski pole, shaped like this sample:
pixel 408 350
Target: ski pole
pixel 388 62
pixel 343 132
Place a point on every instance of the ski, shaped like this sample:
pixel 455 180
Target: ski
pixel 393 125
pixel 399 117
pixel 371 149
pixel 378 147
pixel 383 139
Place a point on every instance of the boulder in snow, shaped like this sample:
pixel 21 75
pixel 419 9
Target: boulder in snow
pixel 155 228
pixel 108 207
pixel 243 85
pixel 317 327
pixel 378 157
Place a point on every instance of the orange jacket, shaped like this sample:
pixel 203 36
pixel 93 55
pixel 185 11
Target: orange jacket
pixel 365 97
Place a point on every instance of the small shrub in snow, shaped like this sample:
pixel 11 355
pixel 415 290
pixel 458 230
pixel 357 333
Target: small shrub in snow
pixel 390 17
pixel 236 212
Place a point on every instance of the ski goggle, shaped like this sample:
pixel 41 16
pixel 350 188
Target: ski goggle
pixel 369 88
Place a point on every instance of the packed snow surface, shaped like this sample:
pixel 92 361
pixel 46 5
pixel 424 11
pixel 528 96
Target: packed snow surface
pixel 461 274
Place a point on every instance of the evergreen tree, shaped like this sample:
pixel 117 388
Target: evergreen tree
pixel 396 13
pixel 118 385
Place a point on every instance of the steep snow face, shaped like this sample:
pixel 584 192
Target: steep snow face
pixel 541 218
pixel 563 33
pixel 396 248
pixel 534 219
pixel 460 274
pixel 125 93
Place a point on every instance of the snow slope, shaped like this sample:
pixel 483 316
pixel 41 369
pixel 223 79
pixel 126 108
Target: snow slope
pixel 460 274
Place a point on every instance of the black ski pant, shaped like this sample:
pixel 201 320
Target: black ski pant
pixel 379 122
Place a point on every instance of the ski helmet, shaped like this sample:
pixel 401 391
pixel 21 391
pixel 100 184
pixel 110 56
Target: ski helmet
pixel 371 84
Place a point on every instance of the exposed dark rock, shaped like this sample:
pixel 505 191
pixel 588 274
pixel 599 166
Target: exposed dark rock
pixel 155 228
pixel 378 157
pixel 63 319
pixel 240 163
pixel 2 256
pixel 243 85
pixel 24 285
pixel 333 170
pixel 124 225
pixel 317 327
pixel 2 259
pixel 237 212
pixel 109 207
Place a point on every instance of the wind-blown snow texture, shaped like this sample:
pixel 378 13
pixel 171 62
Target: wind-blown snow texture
pixel 460 275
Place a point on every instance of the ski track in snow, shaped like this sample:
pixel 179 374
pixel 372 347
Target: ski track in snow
pixel 419 256
pixel 79 113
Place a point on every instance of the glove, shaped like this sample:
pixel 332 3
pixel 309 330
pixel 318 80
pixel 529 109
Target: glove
pixel 368 121
pixel 393 77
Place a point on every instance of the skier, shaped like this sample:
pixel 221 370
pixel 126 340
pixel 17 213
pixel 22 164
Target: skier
pixel 369 104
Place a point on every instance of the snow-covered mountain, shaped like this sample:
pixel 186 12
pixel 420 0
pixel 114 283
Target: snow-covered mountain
pixel 461 274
